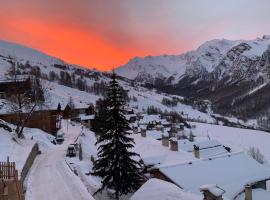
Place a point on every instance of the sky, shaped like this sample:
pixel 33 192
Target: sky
pixel 105 34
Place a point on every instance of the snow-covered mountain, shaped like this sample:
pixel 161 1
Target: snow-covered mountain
pixel 205 58
pixel 83 85
pixel 232 74
pixel 217 58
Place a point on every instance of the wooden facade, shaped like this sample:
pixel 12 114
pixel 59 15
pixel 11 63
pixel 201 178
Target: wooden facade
pixel 46 120
pixel 10 185
pixel 8 88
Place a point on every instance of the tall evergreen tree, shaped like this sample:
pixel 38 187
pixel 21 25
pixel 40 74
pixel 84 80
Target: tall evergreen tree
pixel 115 164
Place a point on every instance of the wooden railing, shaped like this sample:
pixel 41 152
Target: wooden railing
pixel 8 172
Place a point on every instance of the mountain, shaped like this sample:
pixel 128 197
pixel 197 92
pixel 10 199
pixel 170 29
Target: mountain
pixel 233 75
pixel 205 58
pixel 216 57
pixel 84 85
pixel 224 77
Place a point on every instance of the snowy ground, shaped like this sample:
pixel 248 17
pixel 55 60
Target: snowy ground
pixel 51 178
pixel 236 138
pixel 17 151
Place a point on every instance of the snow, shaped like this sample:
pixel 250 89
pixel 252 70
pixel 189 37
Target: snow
pixel 87 117
pixel 214 189
pixel 189 146
pixel 236 138
pixel 146 98
pixel 153 153
pixel 155 189
pixel 257 88
pixel 51 178
pixel 17 150
pixel 258 47
pixel 208 55
pixel 154 134
pixel 225 171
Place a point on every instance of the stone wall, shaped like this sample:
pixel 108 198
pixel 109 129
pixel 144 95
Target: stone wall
pixel 29 162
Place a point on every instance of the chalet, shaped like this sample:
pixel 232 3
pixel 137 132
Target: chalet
pixel 68 112
pixel 46 120
pixel 230 172
pixel 9 87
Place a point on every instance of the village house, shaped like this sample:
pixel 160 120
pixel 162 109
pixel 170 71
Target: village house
pixel 10 87
pixel 230 172
pixel 76 112
pixel 204 148
pixel 46 120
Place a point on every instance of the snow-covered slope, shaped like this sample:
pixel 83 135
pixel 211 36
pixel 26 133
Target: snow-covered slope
pixel 206 57
pixel 60 92
pixel 233 75
pixel 211 57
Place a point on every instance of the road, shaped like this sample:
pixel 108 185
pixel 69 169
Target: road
pixel 50 177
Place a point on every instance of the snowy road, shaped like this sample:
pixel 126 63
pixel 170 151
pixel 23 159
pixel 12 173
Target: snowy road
pixel 50 177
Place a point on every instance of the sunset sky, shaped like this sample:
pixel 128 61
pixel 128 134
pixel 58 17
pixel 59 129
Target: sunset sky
pixel 107 33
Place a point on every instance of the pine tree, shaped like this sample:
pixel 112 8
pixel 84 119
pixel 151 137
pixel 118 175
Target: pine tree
pixel 59 108
pixel 115 164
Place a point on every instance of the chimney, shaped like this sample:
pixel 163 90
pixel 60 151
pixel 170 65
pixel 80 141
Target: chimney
pixel 196 151
pixel 174 144
pixel 212 192
pixel 165 140
pixel 248 192
pixel 143 132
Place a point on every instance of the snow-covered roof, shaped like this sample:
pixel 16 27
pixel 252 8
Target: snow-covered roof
pixel 208 148
pixel 186 145
pixel 87 117
pixel 230 172
pixel 212 152
pixel 149 118
pixel 153 153
pixel 155 134
pixel 155 189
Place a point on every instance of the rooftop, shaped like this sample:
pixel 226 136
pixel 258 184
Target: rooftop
pixel 229 172
pixel 155 189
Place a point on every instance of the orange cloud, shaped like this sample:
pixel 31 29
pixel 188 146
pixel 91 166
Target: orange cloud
pixel 68 43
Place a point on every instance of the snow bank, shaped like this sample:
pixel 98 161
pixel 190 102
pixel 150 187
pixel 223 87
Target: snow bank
pixel 155 189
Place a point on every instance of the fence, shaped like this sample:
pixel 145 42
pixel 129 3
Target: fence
pixel 9 174
pixel 7 170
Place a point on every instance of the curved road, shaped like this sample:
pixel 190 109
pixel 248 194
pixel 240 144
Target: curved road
pixel 50 177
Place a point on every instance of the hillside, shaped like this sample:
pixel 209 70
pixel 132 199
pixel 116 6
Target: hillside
pixel 233 75
pixel 85 86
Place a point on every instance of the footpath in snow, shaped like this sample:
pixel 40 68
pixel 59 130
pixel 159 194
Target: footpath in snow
pixel 51 178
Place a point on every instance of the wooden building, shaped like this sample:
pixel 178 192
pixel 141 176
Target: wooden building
pixel 68 112
pixel 46 120
pixel 10 87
